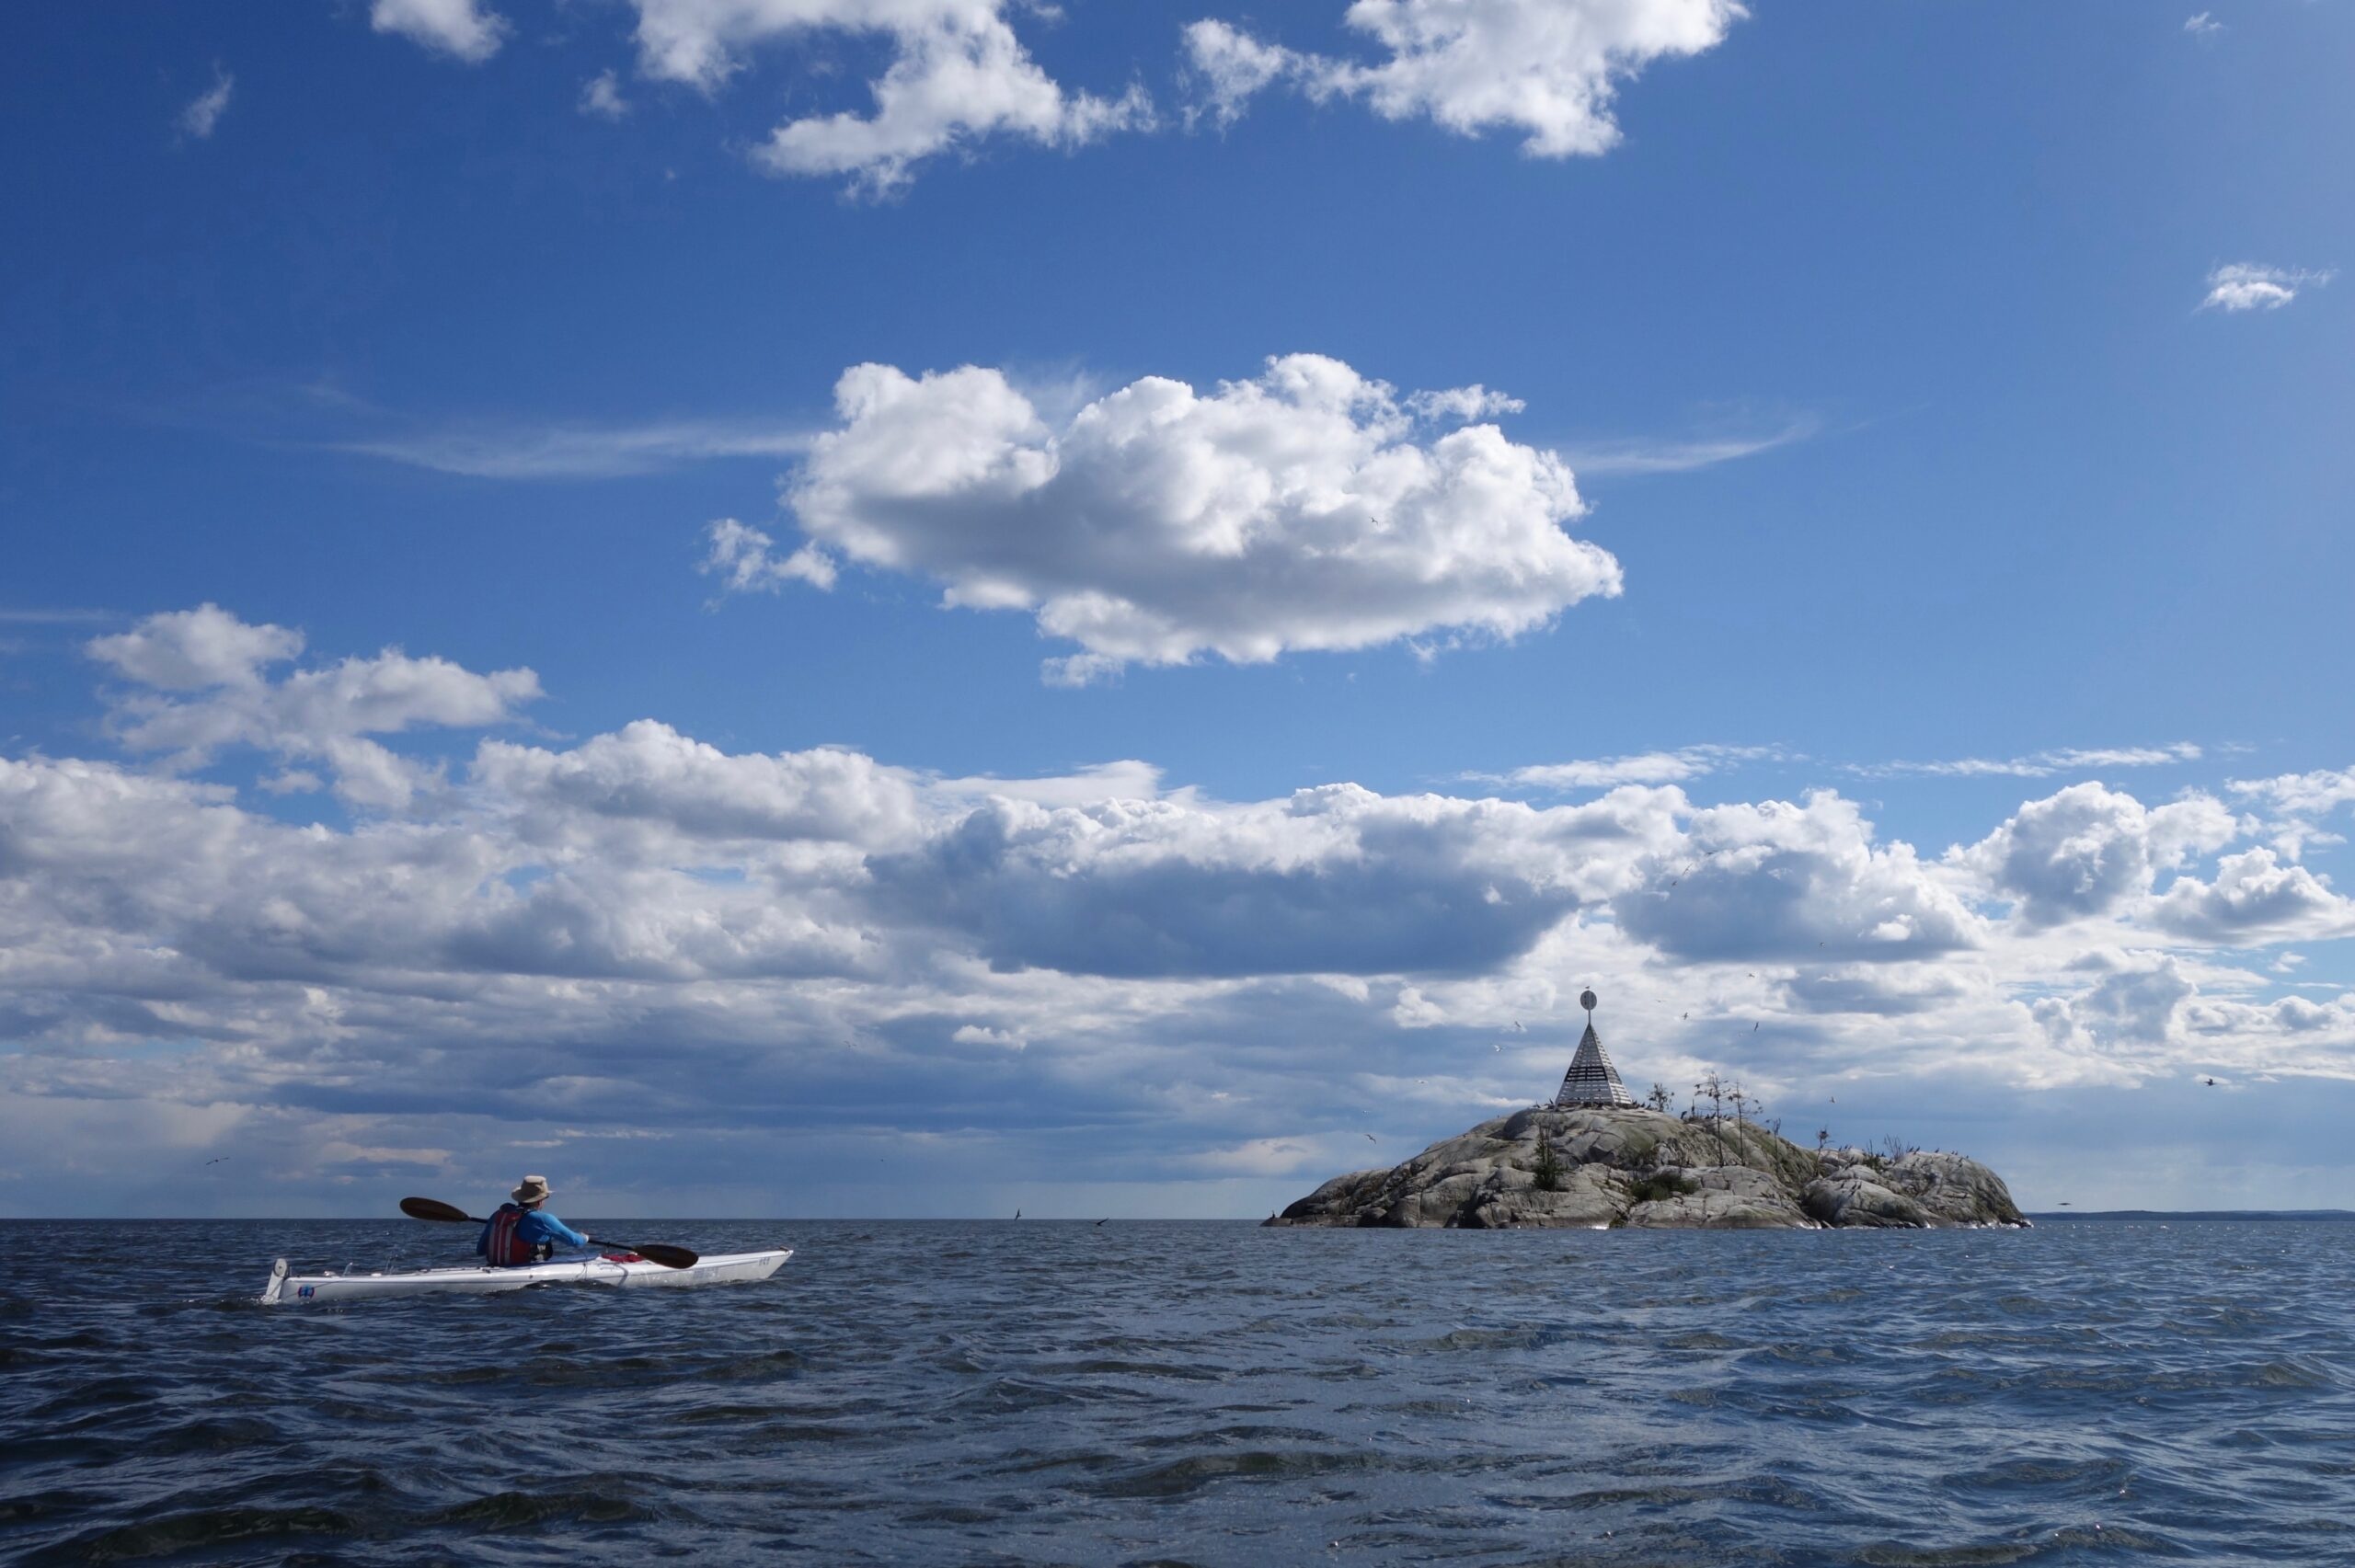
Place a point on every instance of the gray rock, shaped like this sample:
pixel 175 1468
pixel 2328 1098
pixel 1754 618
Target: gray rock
pixel 1644 1168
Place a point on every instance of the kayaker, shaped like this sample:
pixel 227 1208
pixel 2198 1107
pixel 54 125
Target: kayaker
pixel 521 1231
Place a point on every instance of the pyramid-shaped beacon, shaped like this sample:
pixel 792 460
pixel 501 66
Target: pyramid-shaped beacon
pixel 1591 1081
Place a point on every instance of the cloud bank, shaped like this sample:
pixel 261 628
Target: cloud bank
pixel 550 944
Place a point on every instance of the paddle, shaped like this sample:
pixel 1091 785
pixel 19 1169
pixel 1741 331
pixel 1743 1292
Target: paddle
pixel 426 1209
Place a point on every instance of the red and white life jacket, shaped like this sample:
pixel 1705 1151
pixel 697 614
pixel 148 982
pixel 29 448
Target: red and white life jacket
pixel 502 1247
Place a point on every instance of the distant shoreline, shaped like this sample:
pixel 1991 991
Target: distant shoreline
pixel 2131 1214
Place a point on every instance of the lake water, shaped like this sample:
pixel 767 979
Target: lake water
pixel 1044 1393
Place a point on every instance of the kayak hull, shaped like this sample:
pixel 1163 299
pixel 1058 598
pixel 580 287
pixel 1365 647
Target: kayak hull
pixel 289 1290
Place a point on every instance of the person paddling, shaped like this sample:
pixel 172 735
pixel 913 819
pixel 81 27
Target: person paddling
pixel 521 1231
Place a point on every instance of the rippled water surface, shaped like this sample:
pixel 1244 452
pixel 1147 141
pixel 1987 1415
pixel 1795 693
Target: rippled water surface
pixel 1047 1393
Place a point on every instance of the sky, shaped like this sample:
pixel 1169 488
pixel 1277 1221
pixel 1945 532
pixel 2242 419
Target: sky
pixel 925 607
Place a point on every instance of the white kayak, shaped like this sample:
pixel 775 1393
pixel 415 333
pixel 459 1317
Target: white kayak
pixel 287 1288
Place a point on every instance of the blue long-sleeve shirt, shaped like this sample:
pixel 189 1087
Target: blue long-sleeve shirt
pixel 536 1228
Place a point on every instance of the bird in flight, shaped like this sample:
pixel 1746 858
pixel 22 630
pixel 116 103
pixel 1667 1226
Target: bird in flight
pixel 217 1159
pixel 1370 1138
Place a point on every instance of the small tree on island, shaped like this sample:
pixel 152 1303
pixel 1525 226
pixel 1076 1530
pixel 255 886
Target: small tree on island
pixel 1548 1169
pixel 1658 1098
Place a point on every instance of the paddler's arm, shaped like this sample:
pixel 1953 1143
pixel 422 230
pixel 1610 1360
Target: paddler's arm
pixel 551 1229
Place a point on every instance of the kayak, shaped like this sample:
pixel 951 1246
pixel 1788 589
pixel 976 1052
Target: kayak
pixel 287 1288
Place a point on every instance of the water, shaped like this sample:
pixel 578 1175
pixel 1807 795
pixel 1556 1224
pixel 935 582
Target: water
pixel 1203 1393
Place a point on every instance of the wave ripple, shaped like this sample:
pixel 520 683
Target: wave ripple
pixel 1199 1393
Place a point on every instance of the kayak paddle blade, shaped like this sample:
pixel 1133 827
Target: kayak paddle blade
pixel 426 1209
pixel 668 1257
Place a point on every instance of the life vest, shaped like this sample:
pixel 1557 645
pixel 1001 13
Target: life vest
pixel 502 1247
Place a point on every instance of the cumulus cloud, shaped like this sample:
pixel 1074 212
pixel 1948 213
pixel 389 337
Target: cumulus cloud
pixel 957 74
pixel 2088 850
pixel 200 116
pixel 461 29
pixel 648 772
pixel 2244 285
pixel 2201 24
pixel 1806 882
pixel 2255 899
pixel 1549 69
pixel 1309 508
pixel 201 683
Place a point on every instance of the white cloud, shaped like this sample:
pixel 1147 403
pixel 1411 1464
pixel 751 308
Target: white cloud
pixel 580 451
pixel 1776 881
pixel 2203 25
pixel 459 28
pixel 215 668
pixel 647 774
pixel 1306 509
pixel 1546 68
pixel 601 96
pixel 2088 851
pixel 957 74
pixel 1228 67
pixel 640 930
pixel 187 650
pixel 2244 285
pixel 2255 899
pixel 2316 793
pixel 741 557
pixel 1655 455
pixel 2040 764
pixel 200 116
pixel 1649 767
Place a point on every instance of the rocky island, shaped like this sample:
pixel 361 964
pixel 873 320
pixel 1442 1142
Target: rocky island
pixel 1626 1165
pixel 1593 1158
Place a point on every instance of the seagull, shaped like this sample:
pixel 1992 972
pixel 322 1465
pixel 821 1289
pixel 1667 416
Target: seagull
pixel 1518 1027
pixel 1496 1048
pixel 219 1158
pixel 2212 1083
pixel 1753 1028
pixel 1371 1139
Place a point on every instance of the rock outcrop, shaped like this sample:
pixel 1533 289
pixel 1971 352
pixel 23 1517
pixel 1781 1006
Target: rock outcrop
pixel 1645 1168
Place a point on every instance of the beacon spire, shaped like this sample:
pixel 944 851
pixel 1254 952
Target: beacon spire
pixel 1591 1081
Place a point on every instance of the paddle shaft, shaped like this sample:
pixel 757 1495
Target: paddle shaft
pixel 427 1209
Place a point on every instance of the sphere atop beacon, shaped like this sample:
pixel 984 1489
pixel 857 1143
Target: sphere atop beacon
pixel 1586 999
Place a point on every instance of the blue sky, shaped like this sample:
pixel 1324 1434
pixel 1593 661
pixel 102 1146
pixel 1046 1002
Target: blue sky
pixel 735 602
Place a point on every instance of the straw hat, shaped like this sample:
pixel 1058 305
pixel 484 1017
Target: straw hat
pixel 533 1190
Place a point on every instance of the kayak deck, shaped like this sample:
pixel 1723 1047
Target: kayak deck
pixel 287 1288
